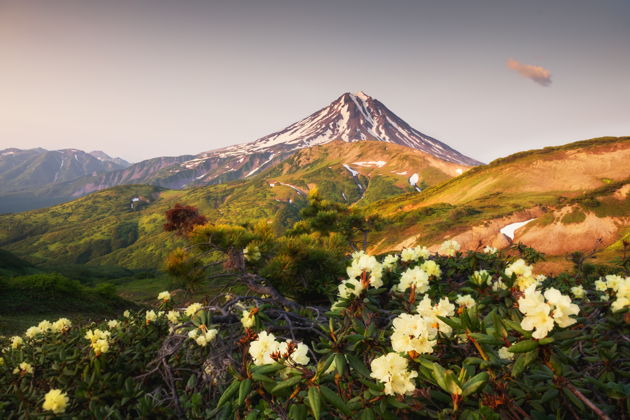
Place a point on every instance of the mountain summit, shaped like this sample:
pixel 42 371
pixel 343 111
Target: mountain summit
pixel 351 117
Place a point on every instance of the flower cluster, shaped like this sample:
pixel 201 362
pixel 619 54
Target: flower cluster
pixel 164 296
pixel 266 350
pixel 414 277
pixel 23 368
pixel 619 286
pixel 202 335
pixel 391 369
pixel 99 340
pixel 414 254
pixel 56 401
pixel 413 333
pixel 540 315
pixel 363 263
pixel 449 247
pixel 431 312
pixel 523 272
pixel 192 309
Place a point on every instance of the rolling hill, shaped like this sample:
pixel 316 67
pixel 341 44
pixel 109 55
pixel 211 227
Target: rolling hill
pixel 123 225
pixel 577 194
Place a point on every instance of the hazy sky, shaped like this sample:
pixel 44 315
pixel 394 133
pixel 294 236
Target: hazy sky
pixel 140 79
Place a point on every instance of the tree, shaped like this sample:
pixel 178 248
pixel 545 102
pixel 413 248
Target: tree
pixel 182 219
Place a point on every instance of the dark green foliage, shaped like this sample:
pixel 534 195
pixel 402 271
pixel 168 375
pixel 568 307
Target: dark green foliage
pixel 125 234
pixel 55 293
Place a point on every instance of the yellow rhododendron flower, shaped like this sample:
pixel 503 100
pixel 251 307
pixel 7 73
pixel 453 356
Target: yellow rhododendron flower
pixel 44 326
pixel 466 301
pixel 23 369
pixel 416 277
pixel 192 309
pixel 248 319
pixel 413 254
pixel 204 337
pixel 623 295
pixel 601 285
pixel 391 369
pixel 413 333
pixel 100 346
pixel 578 292
pixel 55 401
pixel 127 314
pixel 261 349
pixel 150 316
pixel 390 262
pixel 99 340
pixel 449 247
pixel 62 325
pixel 32 332
pixel 363 263
pixel 537 313
pixel 431 312
pixel 431 268
pixel 351 287
pixel 562 307
pixel 173 316
pixel 164 296
pixel 113 324
pixel 298 356
pixel 16 342
pixel 480 277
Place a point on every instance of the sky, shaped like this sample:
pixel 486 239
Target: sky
pixel 140 79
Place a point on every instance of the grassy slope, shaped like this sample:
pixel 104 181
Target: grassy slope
pixel 545 177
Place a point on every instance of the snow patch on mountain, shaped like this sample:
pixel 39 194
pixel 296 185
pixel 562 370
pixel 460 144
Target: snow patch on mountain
pixel 352 171
pixel 511 229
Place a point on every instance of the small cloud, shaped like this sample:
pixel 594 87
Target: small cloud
pixel 538 74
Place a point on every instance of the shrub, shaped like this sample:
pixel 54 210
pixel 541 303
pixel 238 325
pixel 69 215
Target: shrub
pixel 415 335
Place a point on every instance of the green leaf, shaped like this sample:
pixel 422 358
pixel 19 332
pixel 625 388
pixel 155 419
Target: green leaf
pixel 252 415
pixel 367 414
pixel 473 384
pixel 522 362
pixel 314 401
pixel 288 383
pixel 499 327
pixel 358 365
pixel 334 399
pixel 265 369
pixel 227 394
pixel 243 390
pixel 297 412
pixel 324 364
pixel 523 346
pixel 452 384
pixel 439 376
pixel 340 363
pixel 262 378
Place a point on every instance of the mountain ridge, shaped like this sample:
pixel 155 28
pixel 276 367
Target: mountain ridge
pixel 350 118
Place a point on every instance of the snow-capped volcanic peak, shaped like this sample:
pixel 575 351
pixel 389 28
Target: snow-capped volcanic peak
pixel 351 117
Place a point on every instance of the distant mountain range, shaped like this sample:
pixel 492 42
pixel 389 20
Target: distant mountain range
pixel 349 118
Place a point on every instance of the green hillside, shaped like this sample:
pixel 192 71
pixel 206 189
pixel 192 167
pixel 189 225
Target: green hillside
pixel 109 228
